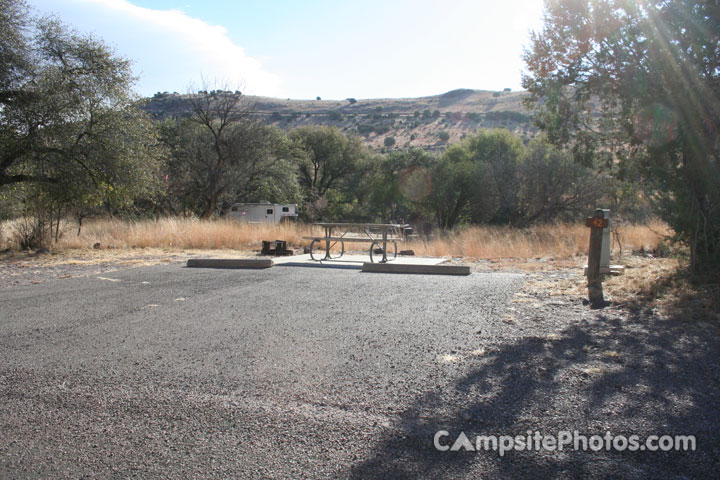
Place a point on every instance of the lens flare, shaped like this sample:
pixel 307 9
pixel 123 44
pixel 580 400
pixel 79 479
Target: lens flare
pixel 414 183
pixel 656 125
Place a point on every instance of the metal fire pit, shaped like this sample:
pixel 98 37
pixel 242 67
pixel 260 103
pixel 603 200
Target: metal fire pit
pixel 277 248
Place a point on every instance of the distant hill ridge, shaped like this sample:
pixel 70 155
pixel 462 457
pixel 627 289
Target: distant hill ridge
pixel 389 123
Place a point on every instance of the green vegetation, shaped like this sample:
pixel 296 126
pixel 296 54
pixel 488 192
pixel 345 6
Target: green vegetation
pixel 365 129
pixel 335 116
pixel 71 136
pixel 329 168
pixel 630 118
pixel 634 89
pixel 218 153
pixel 504 116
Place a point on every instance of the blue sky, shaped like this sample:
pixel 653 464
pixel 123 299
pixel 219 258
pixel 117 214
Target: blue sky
pixel 302 49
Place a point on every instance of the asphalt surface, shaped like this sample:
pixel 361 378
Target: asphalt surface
pixel 170 371
pixel 291 372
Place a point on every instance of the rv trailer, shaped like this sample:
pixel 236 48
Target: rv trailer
pixel 270 213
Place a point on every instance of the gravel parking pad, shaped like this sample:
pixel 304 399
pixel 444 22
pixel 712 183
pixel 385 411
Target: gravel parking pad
pixel 292 372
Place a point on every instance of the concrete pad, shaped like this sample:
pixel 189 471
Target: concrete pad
pixel 607 270
pixel 352 261
pixel 392 267
pixel 230 262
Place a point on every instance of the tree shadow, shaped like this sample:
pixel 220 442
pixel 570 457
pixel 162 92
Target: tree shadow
pixel 683 293
pixel 640 375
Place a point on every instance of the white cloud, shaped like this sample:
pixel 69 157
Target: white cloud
pixel 169 44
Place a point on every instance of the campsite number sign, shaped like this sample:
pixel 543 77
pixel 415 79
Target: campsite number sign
pixel 596 222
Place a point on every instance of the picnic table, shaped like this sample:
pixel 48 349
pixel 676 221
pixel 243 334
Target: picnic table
pixel 372 233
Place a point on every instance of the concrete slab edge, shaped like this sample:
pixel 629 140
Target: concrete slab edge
pixel 610 270
pixel 418 269
pixel 230 263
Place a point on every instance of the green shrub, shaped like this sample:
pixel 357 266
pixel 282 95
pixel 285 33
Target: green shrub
pixel 503 115
pixel 365 129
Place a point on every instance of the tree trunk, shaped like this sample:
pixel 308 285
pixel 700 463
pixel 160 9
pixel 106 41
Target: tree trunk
pixel 211 207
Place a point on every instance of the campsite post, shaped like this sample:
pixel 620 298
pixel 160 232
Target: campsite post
pixel 595 292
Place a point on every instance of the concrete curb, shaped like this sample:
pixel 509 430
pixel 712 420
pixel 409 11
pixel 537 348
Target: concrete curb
pixel 230 263
pixel 420 269
pixel 607 270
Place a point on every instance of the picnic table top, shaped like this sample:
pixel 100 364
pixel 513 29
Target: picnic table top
pixel 362 225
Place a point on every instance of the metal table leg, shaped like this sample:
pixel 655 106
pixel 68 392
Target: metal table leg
pixel 327 243
pixel 384 259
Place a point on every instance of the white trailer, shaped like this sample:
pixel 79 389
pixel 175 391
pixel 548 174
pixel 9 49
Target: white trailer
pixel 270 213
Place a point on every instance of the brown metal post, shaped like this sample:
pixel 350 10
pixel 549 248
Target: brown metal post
pixel 595 291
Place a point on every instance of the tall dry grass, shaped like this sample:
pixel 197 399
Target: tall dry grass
pixel 560 240
pixel 479 242
pixel 181 234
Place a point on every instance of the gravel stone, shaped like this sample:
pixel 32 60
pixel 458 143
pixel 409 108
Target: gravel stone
pixel 170 372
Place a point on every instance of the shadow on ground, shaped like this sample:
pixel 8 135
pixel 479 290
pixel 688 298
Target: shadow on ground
pixel 605 372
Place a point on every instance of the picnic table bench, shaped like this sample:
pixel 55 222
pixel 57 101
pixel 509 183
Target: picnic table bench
pixel 372 233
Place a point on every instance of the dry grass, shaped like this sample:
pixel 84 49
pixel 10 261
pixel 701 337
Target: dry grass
pixel 181 234
pixel 648 283
pixel 556 241
pixel 651 285
pixel 663 285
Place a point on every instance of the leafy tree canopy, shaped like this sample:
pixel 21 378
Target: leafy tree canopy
pixel 325 157
pixel 637 84
pixel 68 118
pixel 330 167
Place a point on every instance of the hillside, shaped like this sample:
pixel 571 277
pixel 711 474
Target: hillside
pixel 427 122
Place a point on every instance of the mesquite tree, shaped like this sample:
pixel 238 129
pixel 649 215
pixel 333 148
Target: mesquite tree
pixel 635 86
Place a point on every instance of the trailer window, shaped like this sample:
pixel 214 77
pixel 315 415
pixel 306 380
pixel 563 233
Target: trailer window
pixel 286 209
pixel 234 209
pixel 269 211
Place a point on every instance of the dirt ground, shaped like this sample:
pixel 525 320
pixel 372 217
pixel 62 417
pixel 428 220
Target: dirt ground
pixel 22 268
